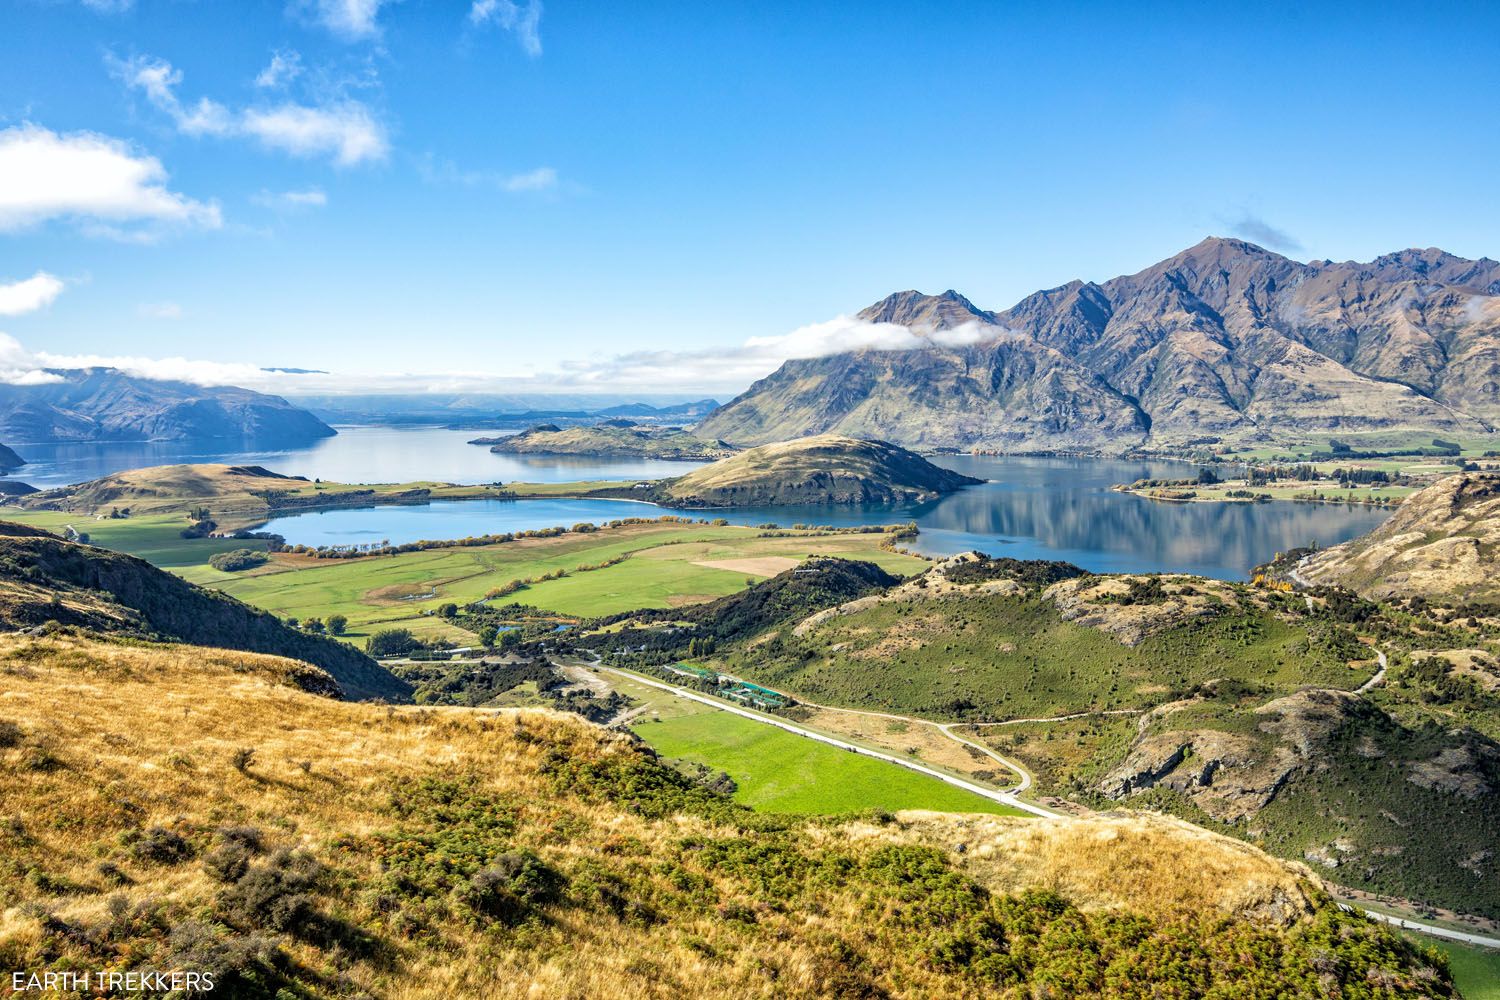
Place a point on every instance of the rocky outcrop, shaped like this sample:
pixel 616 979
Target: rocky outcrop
pixel 1468 770
pixel 1231 776
pixel 1440 543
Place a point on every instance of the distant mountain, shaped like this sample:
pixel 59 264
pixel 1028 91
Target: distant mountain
pixel 483 410
pixel 814 470
pixel 105 404
pixel 1225 340
pixel 46 579
pixel 614 438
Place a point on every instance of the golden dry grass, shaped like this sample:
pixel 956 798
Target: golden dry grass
pixel 111 738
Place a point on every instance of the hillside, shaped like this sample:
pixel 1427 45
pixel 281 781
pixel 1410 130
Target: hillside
pixel 235 496
pixel 815 470
pixel 9 460
pixel 295 846
pixel 615 438
pixel 1225 340
pixel 105 404
pixel 1440 544
pixel 1227 704
pixel 46 579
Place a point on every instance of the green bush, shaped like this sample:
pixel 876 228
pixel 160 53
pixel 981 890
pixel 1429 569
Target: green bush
pixel 237 559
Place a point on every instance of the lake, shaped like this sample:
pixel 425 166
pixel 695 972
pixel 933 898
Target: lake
pixel 356 455
pixel 1034 508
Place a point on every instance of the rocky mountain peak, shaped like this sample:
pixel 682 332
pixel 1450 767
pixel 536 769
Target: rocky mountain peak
pixel 919 311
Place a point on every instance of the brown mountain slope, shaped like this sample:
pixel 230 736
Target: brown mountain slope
pixel 1442 542
pixel 1225 339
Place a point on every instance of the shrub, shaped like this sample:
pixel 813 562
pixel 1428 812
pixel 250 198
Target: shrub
pixel 273 894
pixel 227 862
pixel 161 846
pixel 10 734
pixel 242 758
pixel 509 889
pixel 237 559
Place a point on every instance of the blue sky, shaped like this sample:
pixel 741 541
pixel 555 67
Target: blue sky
pixel 491 192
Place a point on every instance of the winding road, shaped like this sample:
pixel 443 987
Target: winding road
pixel 1007 797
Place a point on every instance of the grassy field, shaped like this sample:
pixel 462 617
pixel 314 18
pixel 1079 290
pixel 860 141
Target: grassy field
pixel 156 538
pixel 778 771
pixel 664 565
pixel 1476 971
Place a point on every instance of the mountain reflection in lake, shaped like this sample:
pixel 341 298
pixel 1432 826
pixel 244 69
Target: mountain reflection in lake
pixel 1034 508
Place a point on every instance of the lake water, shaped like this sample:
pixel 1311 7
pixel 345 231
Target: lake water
pixel 356 455
pixel 1035 508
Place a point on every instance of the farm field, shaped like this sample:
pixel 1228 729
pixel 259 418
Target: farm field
pixel 156 538
pixel 778 771
pixel 1476 971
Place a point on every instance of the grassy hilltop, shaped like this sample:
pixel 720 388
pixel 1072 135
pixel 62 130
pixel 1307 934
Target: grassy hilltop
pixel 813 470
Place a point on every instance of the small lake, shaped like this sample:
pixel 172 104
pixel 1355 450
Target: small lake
pixel 1034 508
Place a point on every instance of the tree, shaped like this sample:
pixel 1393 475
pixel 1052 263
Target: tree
pixel 449 610
pixel 392 642
pixel 337 624
pixel 314 625
pixel 487 636
pixel 510 638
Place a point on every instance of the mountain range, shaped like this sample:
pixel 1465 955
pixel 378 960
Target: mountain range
pixel 1226 340
pixel 106 404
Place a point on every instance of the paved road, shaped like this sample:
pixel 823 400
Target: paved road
pixel 1006 797
pixel 1428 929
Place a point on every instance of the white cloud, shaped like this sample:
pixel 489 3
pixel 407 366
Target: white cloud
pixel 350 20
pixel 284 67
pixel 521 21
pixel 290 200
pixel 35 292
pixel 727 370
pixel 540 179
pixel 159 310
pixel 733 368
pixel 345 131
pixel 95 180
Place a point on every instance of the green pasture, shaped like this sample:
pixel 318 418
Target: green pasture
pixel 778 771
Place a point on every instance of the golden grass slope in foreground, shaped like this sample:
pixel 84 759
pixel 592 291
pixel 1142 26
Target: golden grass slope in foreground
pixel 170 807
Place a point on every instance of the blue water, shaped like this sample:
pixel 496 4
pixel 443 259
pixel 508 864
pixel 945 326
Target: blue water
pixel 355 455
pixel 1033 508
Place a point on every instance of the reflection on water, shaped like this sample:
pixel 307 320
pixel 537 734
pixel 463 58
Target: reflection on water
pixel 356 455
pixel 1034 508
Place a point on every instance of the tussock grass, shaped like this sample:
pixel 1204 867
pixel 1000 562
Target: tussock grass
pixel 414 853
